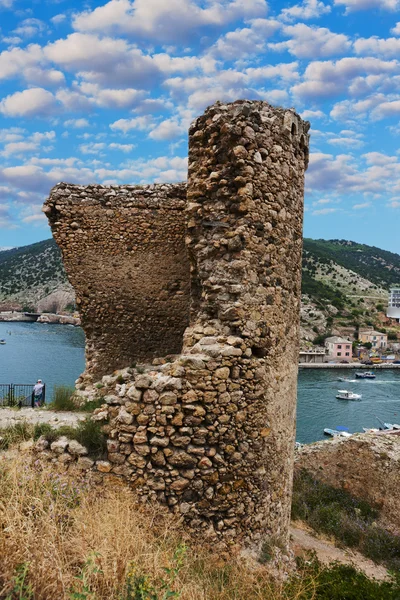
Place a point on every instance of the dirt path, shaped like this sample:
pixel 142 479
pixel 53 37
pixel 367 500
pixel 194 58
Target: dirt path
pixel 304 539
pixel 9 416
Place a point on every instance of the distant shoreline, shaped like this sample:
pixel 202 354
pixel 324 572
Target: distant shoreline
pixel 49 318
pixel 344 366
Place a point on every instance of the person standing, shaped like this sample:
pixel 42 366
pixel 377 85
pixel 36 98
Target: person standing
pixel 38 393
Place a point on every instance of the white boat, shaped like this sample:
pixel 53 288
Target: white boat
pixel 2 342
pixel 365 375
pixel 346 395
pixel 336 433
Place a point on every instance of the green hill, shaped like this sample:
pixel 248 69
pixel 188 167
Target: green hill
pixel 31 274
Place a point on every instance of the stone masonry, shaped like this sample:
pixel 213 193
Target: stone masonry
pixel 210 432
pixel 124 253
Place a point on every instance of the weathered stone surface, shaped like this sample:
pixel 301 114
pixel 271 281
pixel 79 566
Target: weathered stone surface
pixel 139 233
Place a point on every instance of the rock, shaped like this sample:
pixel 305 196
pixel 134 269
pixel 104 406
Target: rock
pixel 103 466
pixel 41 444
pixel 222 373
pixel 182 459
pixel 140 437
pixel 134 394
pixel 60 445
pixel 76 448
pixel 125 417
pixel 159 441
pixel 85 463
pixel 143 382
pixel 168 398
pixel 179 484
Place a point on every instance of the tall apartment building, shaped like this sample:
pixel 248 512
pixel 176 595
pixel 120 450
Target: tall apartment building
pixel 393 310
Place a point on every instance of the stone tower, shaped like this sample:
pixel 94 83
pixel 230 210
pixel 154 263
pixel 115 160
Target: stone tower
pixel 211 433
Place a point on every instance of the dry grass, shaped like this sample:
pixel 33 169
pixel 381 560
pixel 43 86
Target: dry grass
pixel 77 538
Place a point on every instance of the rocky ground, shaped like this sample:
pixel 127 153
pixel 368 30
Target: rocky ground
pixel 9 417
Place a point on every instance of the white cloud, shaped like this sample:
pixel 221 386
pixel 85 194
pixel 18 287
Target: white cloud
pixel 324 211
pixel 19 148
pixel 92 148
pixel 312 42
pixel 389 47
pixel 396 29
pixel 167 130
pixel 379 159
pixel 248 41
pixel 125 125
pixel 6 3
pixel 29 103
pixel 309 9
pixel 77 123
pixel 57 19
pixel 106 61
pixel 361 205
pixel 30 27
pixel 343 175
pixel 165 21
pixel 111 98
pixel 327 79
pixel 312 114
pixel 386 109
pixel 122 147
pixel 30 64
pixel 353 5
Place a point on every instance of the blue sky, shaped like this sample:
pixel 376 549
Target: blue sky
pixel 105 91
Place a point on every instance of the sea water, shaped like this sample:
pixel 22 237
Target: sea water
pixel 318 407
pixel 55 354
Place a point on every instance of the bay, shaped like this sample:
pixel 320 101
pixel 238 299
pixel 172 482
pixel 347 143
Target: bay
pixel 56 354
pixel 53 353
pixel 318 407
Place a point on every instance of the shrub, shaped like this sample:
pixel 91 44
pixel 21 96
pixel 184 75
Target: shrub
pixel 90 434
pixel 20 432
pixel 42 429
pixel 63 398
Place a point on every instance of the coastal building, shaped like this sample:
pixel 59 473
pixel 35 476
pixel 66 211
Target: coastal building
pixel 312 356
pixel 393 311
pixel 338 347
pixel 377 339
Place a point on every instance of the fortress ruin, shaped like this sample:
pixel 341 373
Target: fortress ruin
pixel 208 272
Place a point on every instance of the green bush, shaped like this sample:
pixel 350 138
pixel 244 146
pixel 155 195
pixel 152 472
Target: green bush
pixel 42 429
pixel 89 433
pixel 337 582
pixel 63 398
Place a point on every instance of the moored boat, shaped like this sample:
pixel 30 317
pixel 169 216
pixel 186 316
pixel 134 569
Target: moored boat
pixel 346 395
pixel 336 433
pixel 2 342
pixel 365 375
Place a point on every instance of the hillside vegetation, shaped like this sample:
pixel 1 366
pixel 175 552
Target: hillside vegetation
pixel 32 275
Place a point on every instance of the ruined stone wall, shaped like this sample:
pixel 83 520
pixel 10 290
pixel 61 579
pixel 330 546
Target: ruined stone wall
pixel 211 434
pixel 124 252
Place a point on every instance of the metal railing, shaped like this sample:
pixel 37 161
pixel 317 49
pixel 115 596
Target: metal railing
pixel 20 394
